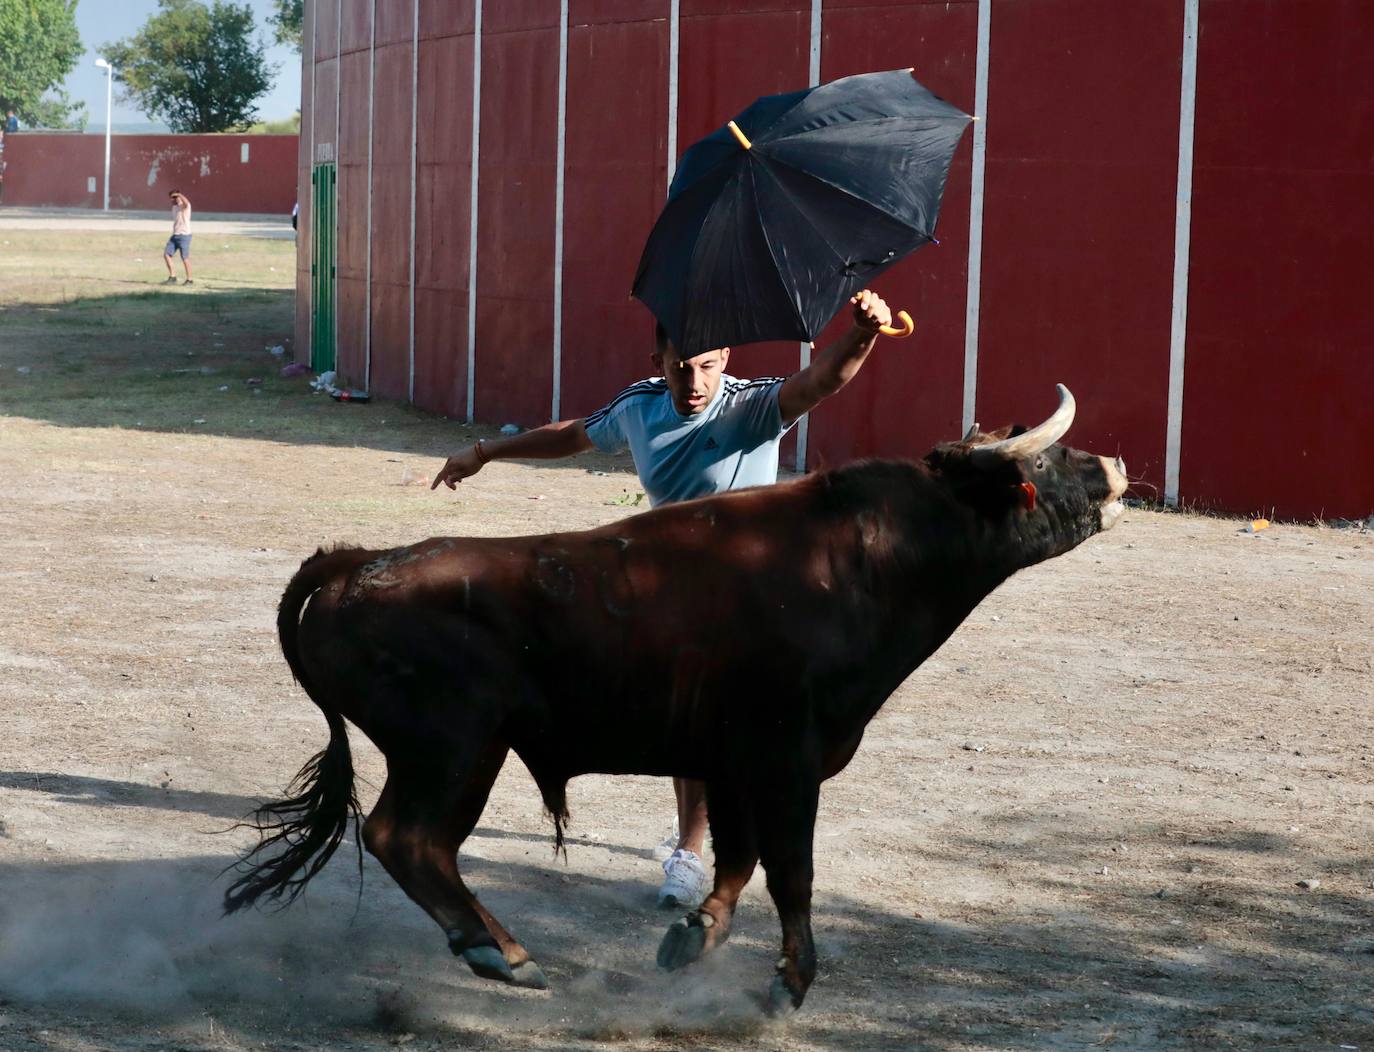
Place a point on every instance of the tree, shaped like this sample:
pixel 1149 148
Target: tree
pixel 289 22
pixel 195 66
pixel 57 110
pixel 39 46
pixel 286 126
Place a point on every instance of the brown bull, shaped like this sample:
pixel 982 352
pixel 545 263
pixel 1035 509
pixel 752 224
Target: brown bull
pixel 745 640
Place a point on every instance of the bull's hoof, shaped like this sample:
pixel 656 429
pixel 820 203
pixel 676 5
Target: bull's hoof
pixel 529 975
pixel 782 1002
pixel 488 963
pixel 682 943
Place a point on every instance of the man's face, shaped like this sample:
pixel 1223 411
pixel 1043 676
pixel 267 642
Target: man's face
pixel 692 383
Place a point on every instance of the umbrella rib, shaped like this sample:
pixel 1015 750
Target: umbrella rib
pixel 822 129
pixel 796 207
pixel 902 220
pixel 767 240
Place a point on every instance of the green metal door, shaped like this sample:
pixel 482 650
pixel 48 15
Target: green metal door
pixel 323 231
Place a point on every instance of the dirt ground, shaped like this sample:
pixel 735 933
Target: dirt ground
pixel 1129 805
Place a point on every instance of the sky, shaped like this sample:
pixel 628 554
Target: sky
pixel 103 21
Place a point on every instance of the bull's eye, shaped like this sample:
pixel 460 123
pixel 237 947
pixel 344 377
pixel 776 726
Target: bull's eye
pixel 1039 463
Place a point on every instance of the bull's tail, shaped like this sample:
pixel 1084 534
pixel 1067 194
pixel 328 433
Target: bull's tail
pixel 308 826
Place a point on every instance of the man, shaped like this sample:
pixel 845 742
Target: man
pixel 11 122
pixel 693 431
pixel 180 241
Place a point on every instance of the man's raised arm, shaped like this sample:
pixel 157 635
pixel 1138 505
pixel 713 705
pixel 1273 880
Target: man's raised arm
pixel 563 438
pixel 837 364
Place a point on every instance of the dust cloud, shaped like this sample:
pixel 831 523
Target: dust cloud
pixel 147 938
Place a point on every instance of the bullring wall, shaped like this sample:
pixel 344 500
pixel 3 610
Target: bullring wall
pixel 219 173
pixel 1167 206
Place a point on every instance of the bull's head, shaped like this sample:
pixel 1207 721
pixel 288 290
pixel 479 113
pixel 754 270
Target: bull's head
pixel 1048 490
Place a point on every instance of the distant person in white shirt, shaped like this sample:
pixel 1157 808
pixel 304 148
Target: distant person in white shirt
pixel 180 241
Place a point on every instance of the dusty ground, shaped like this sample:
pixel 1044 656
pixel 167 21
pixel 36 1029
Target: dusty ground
pixel 1081 825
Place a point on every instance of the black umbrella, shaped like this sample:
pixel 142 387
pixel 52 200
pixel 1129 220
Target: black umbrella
pixel 776 219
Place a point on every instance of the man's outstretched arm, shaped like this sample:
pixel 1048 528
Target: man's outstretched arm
pixel 837 364
pixel 563 438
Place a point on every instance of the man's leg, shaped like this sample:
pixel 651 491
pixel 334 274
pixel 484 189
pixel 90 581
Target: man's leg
pixel 691 814
pixel 167 258
pixel 186 262
pixel 684 876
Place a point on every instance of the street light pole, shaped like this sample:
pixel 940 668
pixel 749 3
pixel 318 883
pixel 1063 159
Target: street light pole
pixel 109 97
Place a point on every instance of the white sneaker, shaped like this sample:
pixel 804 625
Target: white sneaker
pixel 685 883
pixel 667 845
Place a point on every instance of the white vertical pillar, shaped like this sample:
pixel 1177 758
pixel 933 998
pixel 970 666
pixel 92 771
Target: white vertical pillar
pixel 310 204
pixel 472 223
pixel 1183 225
pixel 813 78
pixel 673 13
pixel 973 300
pixel 367 301
pixel 557 406
pixel 414 171
pixel 338 163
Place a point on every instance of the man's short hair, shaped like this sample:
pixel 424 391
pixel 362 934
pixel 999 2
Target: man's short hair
pixel 173 193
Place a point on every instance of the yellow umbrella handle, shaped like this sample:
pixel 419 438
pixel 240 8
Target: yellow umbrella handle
pixel 908 327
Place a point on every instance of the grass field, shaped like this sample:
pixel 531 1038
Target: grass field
pixel 89 337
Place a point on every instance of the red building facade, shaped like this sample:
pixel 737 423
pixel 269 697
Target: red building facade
pixel 1166 205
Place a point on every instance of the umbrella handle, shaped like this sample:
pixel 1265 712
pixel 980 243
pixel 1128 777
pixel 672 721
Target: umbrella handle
pixel 908 326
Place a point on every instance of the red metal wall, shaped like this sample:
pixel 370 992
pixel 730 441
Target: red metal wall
pixel 615 177
pixel 515 236
pixel 1077 234
pixel 392 243
pixel 443 207
pixel 1276 407
pixel 910 393
pixel 52 169
pixel 1078 220
pixel 353 34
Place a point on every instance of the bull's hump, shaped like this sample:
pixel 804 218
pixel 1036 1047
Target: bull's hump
pixel 428 562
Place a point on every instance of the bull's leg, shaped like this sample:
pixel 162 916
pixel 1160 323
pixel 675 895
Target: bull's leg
pixel 785 833
pixel 736 850
pixel 524 972
pixel 415 831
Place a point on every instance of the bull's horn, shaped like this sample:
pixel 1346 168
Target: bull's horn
pixel 1036 440
pixel 971 433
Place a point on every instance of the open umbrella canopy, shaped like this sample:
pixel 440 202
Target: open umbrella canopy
pixel 774 220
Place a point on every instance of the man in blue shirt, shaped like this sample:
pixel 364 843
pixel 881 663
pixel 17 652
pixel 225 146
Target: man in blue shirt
pixel 693 431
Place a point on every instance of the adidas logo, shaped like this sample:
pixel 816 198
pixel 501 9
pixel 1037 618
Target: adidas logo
pixel 711 444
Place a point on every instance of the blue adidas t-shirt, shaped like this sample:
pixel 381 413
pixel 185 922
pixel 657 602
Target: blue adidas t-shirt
pixel 731 444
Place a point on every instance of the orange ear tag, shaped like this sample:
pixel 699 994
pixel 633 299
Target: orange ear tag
pixel 1028 496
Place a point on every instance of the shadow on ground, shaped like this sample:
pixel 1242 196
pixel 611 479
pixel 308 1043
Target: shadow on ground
pixel 109 792
pixel 175 361
pixel 127 947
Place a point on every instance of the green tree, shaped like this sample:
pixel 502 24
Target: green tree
pixel 39 46
pixel 195 66
pixel 286 126
pixel 288 21
pixel 57 110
